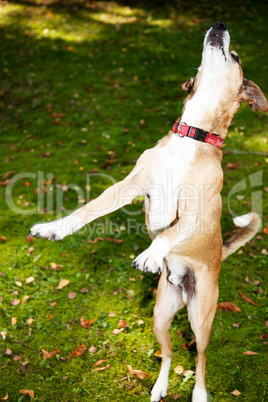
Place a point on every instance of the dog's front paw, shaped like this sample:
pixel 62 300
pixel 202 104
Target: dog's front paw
pixel 56 230
pixel 151 260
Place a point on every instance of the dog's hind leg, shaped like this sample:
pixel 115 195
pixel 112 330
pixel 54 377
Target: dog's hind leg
pixel 201 312
pixel 168 302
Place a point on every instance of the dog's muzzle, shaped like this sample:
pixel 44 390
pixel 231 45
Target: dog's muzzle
pixel 215 34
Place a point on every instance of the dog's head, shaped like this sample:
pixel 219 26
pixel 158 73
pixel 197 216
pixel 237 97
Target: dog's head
pixel 220 73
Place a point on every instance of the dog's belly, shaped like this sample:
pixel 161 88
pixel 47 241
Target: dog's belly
pixel 167 180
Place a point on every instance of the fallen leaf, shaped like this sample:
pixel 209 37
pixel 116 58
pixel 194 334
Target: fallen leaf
pixel 48 355
pixel 3 334
pixel 248 299
pixel 31 250
pixel 158 354
pixel 13 320
pixel 122 324
pixel 3 238
pixel 63 283
pixel 86 323
pixel 178 369
pixel 72 295
pixel 25 299
pixel 265 230
pixel 176 396
pixel 84 290
pixel 55 266
pixel 263 337
pixel 231 165
pixel 53 304
pixel 30 321
pixel 188 373
pixel 30 279
pixel 78 351
pixel 18 283
pixel 228 306
pixel 5 398
pixel 92 349
pixel 190 345
pixel 15 302
pixel 27 392
pixel 100 362
pixel 138 373
pixel 16 358
pixel 249 353
pixel 8 351
pixel 103 368
pixel 117 331
pixel 236 392
pixel 140 322
pixel 111 314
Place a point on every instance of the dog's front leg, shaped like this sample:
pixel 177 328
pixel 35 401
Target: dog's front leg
pixel 110 200
pixel 151 260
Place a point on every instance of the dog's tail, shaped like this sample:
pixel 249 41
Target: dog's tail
pixel 248 226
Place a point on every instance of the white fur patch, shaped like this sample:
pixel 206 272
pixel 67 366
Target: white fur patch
pixel 159 390
pixel 242 220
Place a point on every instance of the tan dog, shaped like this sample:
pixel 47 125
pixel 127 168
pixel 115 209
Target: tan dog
pixel 181 179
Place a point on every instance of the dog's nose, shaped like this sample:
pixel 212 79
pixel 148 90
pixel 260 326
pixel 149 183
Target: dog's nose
pixel 219 25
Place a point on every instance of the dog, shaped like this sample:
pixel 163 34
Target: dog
pixel 181 179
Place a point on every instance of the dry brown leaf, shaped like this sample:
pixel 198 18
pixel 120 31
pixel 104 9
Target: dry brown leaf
pixel 100 362
pixel 117 331
pixel 84 290
pixel 16 358
pixel 140 322
pixel 48 355
pixel 72 295
pixel 53 304
pixel 190 345
pixel 78 351
pixel 15 302
pixel 111 314
pixel 228 306
pixel 27 392
pixel 8 351
pixel 248 299
pixel 5 398
pixel 122 324
pixel 249 353
pixel 236 392
pixel 265 230
pixel 178 369
pixel 55 266
pixel 263 337
pixel 176 396
pixel 158 354
pixel 86 323
pixel 30 321
pixel 63 283
pixel 138 373
pixel 3 238
pixel 18 283
pixel 30 279
pixel 103 368
pixel 13 320
pixel 92 349
pixel 25 299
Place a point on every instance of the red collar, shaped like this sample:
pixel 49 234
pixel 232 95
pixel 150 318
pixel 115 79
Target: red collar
pixel 197 134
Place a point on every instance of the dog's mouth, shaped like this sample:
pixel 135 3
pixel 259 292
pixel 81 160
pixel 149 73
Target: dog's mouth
pixel 218 37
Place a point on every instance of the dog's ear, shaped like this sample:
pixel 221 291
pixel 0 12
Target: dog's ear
pixel 254 96
pixel 188 85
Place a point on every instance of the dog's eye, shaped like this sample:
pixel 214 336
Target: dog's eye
pixel 235 57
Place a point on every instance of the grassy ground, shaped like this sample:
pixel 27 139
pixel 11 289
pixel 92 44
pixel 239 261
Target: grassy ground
pixel 85 88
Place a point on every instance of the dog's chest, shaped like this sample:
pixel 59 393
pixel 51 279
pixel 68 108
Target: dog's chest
pixel 169 165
